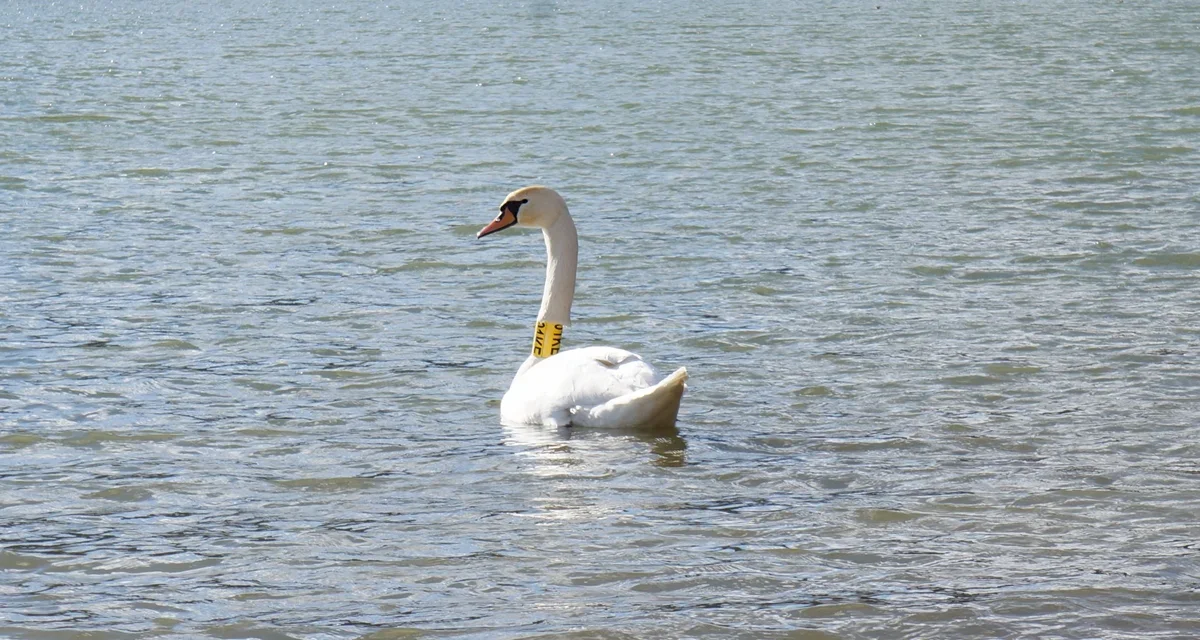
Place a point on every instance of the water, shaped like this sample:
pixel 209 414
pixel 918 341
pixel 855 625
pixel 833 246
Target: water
pixel 932 266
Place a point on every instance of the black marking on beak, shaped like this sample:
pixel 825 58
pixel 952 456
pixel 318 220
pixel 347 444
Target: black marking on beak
pixel 506 219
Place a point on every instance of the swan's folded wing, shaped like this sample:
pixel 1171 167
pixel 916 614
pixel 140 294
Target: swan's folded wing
pixel 549 391
pixel 652 407
pixel 628 368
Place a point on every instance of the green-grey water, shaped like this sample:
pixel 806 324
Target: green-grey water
pixel 933 267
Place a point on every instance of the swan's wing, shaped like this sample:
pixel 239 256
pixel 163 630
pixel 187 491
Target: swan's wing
pixel 548 391
pixel 652 407
pixel 628 369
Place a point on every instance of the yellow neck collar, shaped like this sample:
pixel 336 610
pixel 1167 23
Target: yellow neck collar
pixel 547 338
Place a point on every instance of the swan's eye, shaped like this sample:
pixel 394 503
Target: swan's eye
pixel 512 206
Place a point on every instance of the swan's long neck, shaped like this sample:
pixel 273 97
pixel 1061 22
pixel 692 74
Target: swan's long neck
pixel 562 256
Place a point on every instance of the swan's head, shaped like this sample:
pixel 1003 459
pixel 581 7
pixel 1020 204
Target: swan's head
pixel 538 207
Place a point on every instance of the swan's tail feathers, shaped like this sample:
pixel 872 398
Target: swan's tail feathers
pixel 651 408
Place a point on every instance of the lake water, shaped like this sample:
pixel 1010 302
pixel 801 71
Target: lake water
pixel 933 266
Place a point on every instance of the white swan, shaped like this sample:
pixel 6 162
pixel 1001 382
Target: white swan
pixel 588 387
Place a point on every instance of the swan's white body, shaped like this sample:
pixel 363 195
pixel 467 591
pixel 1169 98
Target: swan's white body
pixel 592 387
pixel 588 387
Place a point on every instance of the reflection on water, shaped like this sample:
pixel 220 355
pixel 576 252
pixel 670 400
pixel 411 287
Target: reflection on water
pixel 668 448
pixel 572 449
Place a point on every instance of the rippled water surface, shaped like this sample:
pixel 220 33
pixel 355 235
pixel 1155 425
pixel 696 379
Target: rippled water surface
pixel 933 266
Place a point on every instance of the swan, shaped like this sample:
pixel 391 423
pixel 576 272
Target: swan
pixel 586 387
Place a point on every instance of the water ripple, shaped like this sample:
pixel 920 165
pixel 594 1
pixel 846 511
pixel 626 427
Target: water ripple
pixel 932 268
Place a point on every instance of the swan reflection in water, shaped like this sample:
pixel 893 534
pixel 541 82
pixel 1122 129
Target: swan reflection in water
pixel 567 462
pixel 573 450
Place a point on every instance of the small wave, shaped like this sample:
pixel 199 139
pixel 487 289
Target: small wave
pixel 1176 260
pixel 122 494
pixel 329 485
pixel 968 381
pixel 75 117
pixel 12 183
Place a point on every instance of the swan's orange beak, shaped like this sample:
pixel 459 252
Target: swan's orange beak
pixel 502 221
